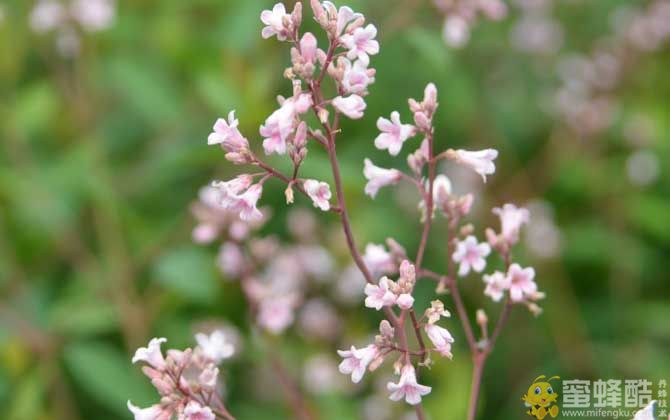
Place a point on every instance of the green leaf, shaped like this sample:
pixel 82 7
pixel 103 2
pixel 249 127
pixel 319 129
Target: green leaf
pixel 189 272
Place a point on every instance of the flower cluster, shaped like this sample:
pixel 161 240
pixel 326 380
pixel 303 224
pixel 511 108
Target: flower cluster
pixel 187 380
pixel 462 15
pixel 64 17
pixel 273 276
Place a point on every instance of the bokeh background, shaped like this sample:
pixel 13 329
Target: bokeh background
pixel 103 148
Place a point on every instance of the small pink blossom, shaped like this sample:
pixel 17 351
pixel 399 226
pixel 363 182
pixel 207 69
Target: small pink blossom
pixel 405 301
pixel 274 21
pixel 471 254
pixel 361 43
pixel 319 192
pixel 245 204
pixel 277 313
pixel 378 260
pixel 277 128
pixel 352 106
pixel 209 377
pixel 356 77
pixel 456 31
pixel 344 16
pixel 521 282
pixel 496 284
pixel 229 137
pixel 441 339
pixel 47 15
pixel 480 161
pixel 229 190
pixel 308 47
pixel 194 411
pixel 511 220
pixel 93 15
pixel 407 387
pixel 394 133
pixel 356 361
pixel 379 177
pixel 231 259
pixel 151 354
pixel 155 412
pixel 379 295
pixel 214 346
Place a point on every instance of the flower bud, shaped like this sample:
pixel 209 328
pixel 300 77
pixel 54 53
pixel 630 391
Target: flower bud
pixel 288 193
pixel 482 319
pixel 386 329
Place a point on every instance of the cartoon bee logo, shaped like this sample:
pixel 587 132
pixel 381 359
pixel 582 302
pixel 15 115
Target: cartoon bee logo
pixel 541 399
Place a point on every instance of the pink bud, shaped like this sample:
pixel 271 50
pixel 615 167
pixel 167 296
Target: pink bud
pixel 308 47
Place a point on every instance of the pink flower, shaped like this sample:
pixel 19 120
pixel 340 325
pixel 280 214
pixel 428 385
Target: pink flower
pixel 277 313
pixel 379 177
pixel 480 161
pixel 471 254
pixel 394 133
pixel 277 128
pixel 441 339
pixel 361 43
pixel 308 47
pixel 209 377
pixel 379 295
pixel 47 15
pixel 214 346
pixel 93 15
pixel 521 282
pixel 194 411
pixel 407 387
pixel 229 190
pixel 356 77
pixel 344 16
pixel 405 301
pixel 229 137
pixel 231 260
pixel 274 21
pixel 352 106
pixel 456 31
pixel 378 260
pixel 356 361
pixel 245 204
pixel 151 354
pixel 319 192
pixel 155 412
pixel 511 220
pixel 496 284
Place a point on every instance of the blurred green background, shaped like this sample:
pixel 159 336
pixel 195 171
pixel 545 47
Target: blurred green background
pixel 102 151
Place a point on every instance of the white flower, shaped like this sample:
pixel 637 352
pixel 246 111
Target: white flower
pixel 194 411
pixel 352 106
pixel 361 43
pixel 441 339
pixel 407 387
pixel 226 133
pixel 511 220
pixel 214 346
pixel 379 177
pixel 496 284
pixel 151 354
pixel 394 133
pixel 319 192
pixel 274 21
pixel 471 254
pixel 228 191
pixel 155 412
pixel 356 361
pixel 47 15
pixel 379 295
pixel 521 282
pixel 480 161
